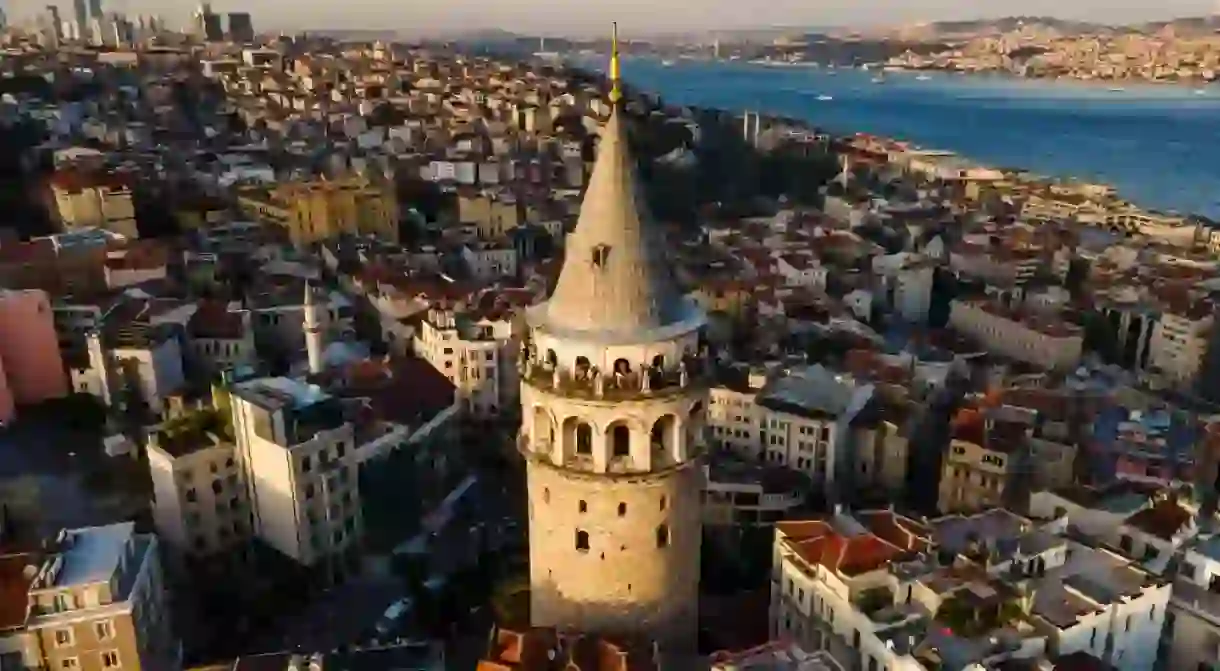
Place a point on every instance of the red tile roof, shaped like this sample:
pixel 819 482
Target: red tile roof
pixel 15 588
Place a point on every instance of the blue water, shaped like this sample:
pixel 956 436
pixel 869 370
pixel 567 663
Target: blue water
pixel 1159 145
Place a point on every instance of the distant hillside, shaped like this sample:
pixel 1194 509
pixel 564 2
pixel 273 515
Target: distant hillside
pixel 949 29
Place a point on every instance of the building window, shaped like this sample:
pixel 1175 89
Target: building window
pixel 546 495
pixel 584 507
pixel 309 491
pixel 69 663
pixel 584 439
pixel 582 540
pixel 620 438
pixel 110 659
pixel 105 630
pixel 63 638
pixel 305 464
pixel 662 536
pixel 662 502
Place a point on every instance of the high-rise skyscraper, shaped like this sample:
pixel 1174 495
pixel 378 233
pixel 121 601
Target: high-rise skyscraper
pixel 55 29
pixel 207 24
pixel 614 401
pixel 241 27
pixel 81 14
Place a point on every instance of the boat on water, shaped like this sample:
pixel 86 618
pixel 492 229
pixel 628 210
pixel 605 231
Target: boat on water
pixel 1200 92
pixel 1117 89
pixel 878 80
pixel 667 63
pixel 923 78
pixel 825 97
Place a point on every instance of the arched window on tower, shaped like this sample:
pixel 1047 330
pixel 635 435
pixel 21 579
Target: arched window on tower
pixel 584 439
pixel 620 441
pixel 658 362
pixel 622 367
pixel 551 358
pixel 582 365
pixel 663 536
pixel 582 540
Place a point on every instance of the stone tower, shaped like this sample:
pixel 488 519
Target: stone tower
pixel 614 401
pixel 315 343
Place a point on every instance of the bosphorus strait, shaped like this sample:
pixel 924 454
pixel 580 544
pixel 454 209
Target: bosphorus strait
pixel 1157 144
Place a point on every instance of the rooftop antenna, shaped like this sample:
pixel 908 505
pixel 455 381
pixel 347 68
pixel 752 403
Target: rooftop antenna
pixel 616 93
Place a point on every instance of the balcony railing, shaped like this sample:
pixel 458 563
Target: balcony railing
pixel 588 382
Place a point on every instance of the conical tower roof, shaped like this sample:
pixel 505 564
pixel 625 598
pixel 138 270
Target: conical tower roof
pixel 615 275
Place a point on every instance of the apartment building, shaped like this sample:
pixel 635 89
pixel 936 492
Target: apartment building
pixel 91 599
pixel 298 452
pixel 1033 339
pixel 1194 631
pixel 884 592
pixel 199 507
pixel 31 367
pixel 799 421
pixel 740 495
pixel 313 211
pixel 132 362
pixel 1179 342
pixel 82 200
pixel 220 336
pixel 478 353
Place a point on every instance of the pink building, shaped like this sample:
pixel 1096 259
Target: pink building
pixel 29 350
pixel 6 399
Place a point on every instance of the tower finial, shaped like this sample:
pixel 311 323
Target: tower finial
pixel 616 93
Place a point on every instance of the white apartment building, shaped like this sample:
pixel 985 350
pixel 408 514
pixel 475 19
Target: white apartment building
pixel 1194 628
pixel 134 363
pixel 798 421
pixel 889 593
pixel 490 261
pixel 1179 343
pixel 478 354
pixel 1033 339
pixel 299 455
pixel 908 284
pixel 200 508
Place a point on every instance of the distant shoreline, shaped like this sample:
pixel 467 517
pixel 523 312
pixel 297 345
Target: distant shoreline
pixel 1051 175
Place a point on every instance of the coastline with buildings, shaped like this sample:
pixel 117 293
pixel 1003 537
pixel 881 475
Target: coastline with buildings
pixel 1065 132
pixel 405 358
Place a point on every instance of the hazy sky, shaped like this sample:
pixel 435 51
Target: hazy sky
pixel 636 16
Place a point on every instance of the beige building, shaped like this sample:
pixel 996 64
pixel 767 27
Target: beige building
pixel 298 452
pixel 996 460
pixel 1032 339
pixel 478 354
pixel 200 508
pixel 614 400
pixel 1179 342
pixel 93 200
pixel 94 599
pixel 320 209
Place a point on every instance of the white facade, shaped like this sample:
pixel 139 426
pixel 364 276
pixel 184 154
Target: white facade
pixel 478 357
pixel 1028 338
pixel 199 498
pixel 301 465
pixel 1178 346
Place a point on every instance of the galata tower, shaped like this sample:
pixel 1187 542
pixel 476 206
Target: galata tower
pixel 614 400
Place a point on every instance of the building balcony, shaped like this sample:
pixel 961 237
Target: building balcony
pixel 588 383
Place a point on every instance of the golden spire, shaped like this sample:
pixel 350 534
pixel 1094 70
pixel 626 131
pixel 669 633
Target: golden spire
pixel 616 93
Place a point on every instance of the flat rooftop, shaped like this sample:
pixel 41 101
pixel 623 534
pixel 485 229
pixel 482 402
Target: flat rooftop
pixel 94 554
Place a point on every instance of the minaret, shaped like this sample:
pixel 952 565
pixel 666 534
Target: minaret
pixel 315 343
pixel 614 400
